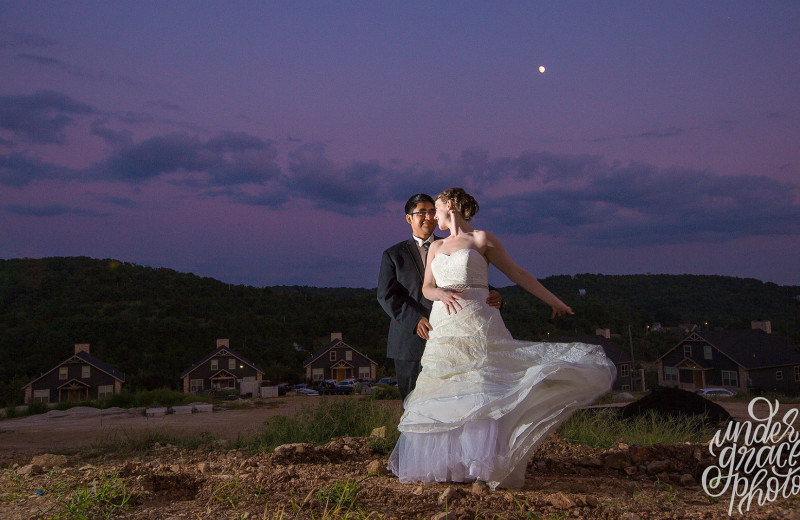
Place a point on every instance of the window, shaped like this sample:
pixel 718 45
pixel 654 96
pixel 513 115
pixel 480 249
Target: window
pixel 41 396
pixel 624 370
pixel 86 371
pixel 333 355
pixel 797 373
pixel 348 355
pixel 687 351
pixel 63 373
pixel 317 374
pixel 670 374
pixel 104 391
pixel 214 364
pixel 364 373
pixel 730 378
pixel 625 388
pixel 195 385
pixel 707 352
pixel 232 364
pixel 248 379
pixel 779 375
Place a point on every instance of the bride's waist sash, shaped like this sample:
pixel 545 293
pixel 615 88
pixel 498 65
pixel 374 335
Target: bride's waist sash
pixel 462 286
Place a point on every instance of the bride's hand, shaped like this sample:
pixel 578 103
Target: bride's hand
pixel 450 297
pixel 560 309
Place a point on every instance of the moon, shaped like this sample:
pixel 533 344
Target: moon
pixel 541 69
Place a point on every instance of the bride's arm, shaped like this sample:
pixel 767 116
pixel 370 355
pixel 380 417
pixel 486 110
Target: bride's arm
pixel 497 255
pixel 449 297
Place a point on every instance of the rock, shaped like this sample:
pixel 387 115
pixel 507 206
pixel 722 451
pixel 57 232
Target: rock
pixel 686 480
pixel 479 487
pixel 587 500
pixel 30 469
pixel 658 466
pixel 379 432
pixel 630 516
pixel 289 449
pixel 615 460
pixel 48 461
pixel 448 495
pixel 204 467
pixel 175 468
pixel 631 470
pixel 418 490
pixel 378 467
pixel 592 462
pixel 440 516
pixel 560 501
pixel 639 454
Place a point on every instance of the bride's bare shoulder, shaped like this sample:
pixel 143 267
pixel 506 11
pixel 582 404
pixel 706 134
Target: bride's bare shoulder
pixel 483 238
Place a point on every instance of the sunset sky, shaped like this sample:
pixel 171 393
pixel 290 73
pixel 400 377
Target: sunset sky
pixel 275 143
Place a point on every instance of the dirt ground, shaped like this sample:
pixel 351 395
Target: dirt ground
pixel 304 481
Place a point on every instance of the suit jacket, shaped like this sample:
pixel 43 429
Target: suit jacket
pixel 400 295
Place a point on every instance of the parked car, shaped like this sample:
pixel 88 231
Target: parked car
pixel 715 392
pixel 304 390
pixel 283 388
pixel 330 387
pixel 387 381
pixel 348 382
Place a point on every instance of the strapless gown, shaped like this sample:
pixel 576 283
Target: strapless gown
pixel 484 401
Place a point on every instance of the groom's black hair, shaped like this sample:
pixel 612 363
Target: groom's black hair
pixel 416 199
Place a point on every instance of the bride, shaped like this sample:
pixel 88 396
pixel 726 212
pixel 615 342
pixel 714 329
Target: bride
pixel 484 401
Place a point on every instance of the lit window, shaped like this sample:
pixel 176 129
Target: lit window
pixel 364 373
pixel 707 352
pixel 670 374
pixel 195 385
pixel 231 363
pixel 86 371
pixel 317 374
pixel 41 396
pixel 348 355
pixel 779 375
pixel 63 373
pixel 214 364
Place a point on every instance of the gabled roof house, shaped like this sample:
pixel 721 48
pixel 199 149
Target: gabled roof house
pixel 221 368
pixel 81 377
pixel 337 360
pixel 740 360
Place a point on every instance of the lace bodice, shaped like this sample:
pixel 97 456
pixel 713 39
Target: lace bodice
pixel 463 268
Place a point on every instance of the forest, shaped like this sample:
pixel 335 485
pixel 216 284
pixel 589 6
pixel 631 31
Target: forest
pixel 153 323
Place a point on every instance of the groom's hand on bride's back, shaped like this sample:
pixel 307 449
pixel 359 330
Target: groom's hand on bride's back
pixel 494 299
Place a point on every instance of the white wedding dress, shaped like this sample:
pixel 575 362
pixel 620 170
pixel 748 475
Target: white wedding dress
pixel 483 400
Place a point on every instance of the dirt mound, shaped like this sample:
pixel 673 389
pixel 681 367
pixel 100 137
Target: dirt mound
pixel 305 481
pixel 673 401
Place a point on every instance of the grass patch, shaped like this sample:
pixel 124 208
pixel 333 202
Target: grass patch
pixel 331 417
pixel 105 497
pixel 144 442
pixel 604 427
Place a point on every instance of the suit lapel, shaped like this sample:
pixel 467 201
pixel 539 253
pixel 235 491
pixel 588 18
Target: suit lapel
pixel 413 250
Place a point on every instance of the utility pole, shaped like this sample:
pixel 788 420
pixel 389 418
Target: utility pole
pixel 633 365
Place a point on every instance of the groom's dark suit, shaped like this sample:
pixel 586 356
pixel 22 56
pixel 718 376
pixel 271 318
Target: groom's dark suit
pixel 400 295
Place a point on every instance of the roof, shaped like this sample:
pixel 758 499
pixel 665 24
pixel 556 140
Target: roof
pixel 91 360
pixel 751 348
pixel 217 352
pixel 613 351
pixel 329 346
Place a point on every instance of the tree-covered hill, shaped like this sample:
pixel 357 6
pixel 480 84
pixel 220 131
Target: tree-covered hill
pixel 154 323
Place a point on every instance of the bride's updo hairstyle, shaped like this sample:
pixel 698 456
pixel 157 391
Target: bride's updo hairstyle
pixel 464 203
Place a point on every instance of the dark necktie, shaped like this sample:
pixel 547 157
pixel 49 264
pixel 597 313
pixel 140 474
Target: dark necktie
pixel 426 245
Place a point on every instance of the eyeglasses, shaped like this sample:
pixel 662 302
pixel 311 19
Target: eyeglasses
pixel 424 213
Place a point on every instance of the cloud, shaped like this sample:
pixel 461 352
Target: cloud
pixel 18 170
pixel 52 210
pixel 229 159
pixel 110 136
pixel 25 40
pixel 74 70
pixel 41 117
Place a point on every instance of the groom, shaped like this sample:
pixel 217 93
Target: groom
pixel 400 292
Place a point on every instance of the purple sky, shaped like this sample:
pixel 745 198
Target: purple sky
pixel 275 143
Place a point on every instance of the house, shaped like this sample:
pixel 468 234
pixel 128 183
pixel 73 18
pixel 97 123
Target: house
pixel 221 368
pixel 739 360
pixel 337 360
pixel 81 377
pixel 618 356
